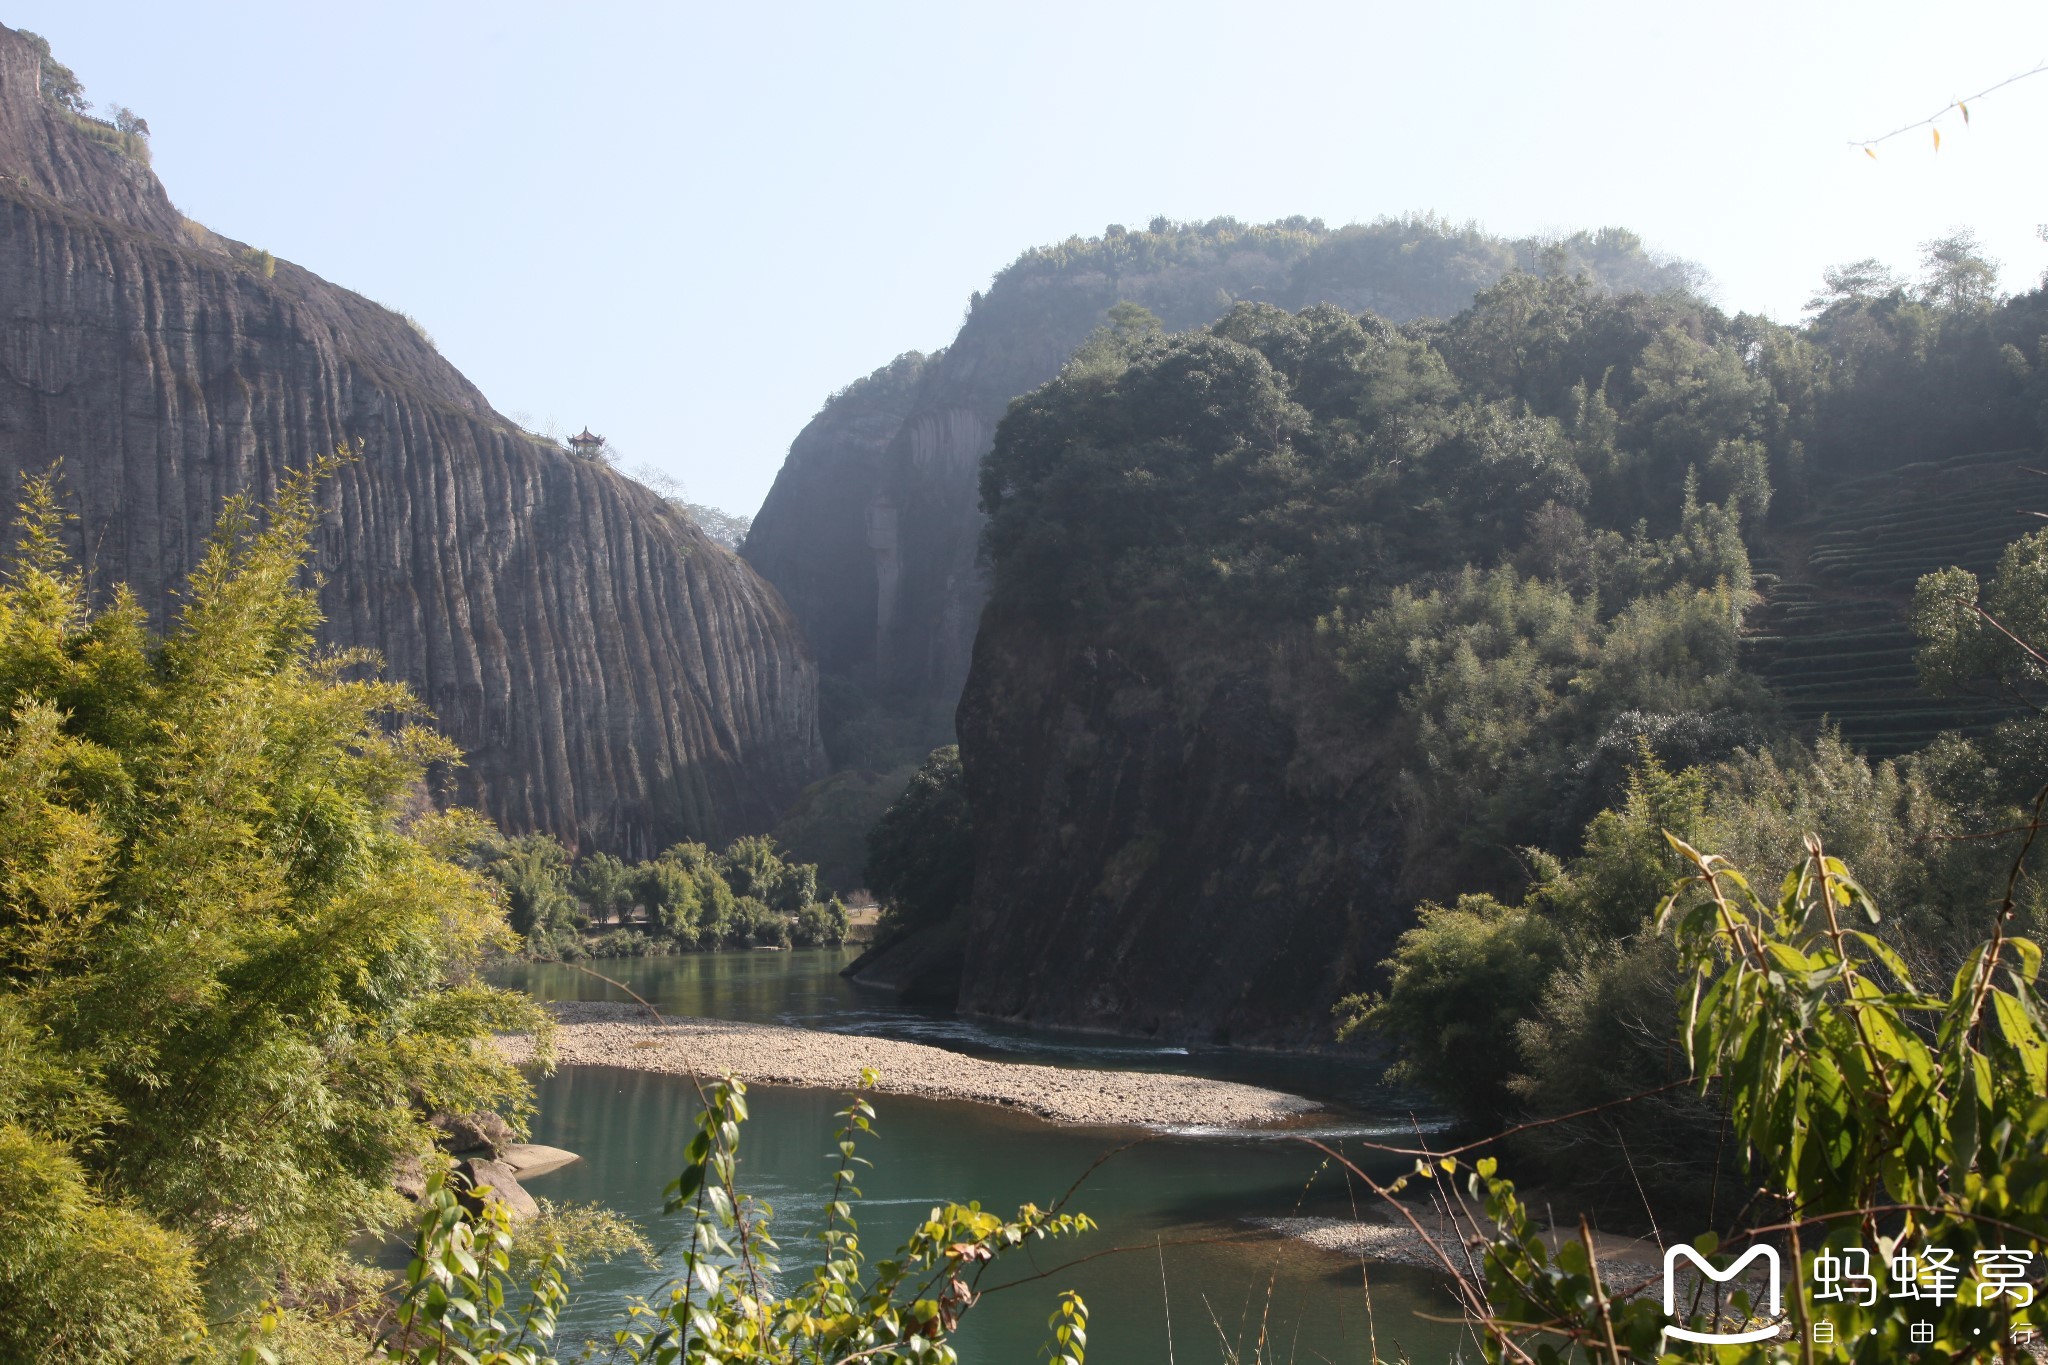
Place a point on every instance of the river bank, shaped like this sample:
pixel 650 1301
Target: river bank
pixel 605 1033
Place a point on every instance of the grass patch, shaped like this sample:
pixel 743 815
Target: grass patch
pixel 131 145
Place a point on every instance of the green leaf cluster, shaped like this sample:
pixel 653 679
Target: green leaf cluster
pixel 733 1299
pixel 921 852
pixel 237 961
pixel 686 898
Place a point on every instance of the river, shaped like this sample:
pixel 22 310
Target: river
pixel 1202 1283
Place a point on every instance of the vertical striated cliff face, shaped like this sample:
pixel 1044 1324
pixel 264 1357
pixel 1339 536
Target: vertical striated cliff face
pixel 614 677
pixel 873 527
pixel 829 510
pixel 1169 840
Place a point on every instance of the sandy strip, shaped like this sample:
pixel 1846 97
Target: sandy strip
pixel 602 1033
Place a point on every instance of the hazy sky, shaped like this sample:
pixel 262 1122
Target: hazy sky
pixel 684 224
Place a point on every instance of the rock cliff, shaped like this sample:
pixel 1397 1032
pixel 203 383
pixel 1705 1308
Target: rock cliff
pixel 1104 781
pixel 615 677
pixel 872 528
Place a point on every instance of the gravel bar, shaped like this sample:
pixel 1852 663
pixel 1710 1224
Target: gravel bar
pixel 605 1033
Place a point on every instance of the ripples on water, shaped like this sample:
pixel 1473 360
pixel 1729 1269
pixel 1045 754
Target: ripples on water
pixel 1184 1199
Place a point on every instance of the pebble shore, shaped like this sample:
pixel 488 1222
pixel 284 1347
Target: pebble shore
pixel 602 1033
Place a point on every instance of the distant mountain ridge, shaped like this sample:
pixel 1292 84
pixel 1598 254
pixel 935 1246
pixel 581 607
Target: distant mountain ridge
pixel 872 529
pixel 614 677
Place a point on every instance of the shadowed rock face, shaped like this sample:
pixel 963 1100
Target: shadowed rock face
pixel 872 530
pixel 829 531
pixel 1169 840
pixel 614 677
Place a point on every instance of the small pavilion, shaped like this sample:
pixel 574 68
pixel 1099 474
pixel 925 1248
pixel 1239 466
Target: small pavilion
pixel 587 444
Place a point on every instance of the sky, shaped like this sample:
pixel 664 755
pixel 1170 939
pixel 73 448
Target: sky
pixel 684 225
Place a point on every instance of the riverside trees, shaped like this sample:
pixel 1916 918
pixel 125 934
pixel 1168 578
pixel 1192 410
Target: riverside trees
pixel 238 973
pixel 687 898
pixel 237 960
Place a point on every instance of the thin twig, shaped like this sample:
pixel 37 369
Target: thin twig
pixel 1097 1165
pixel 1525 1127
pixel 1165 1299
pixel 1999 626
pixel 1990 834
pixel 2005 914
pixel 1952 104
pixel 1235 1240
pixel 579 967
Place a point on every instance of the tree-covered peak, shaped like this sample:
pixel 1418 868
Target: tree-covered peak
pixel 1402 267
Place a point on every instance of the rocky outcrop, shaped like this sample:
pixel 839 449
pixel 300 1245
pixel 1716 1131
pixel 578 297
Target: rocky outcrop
pixel 872 530
pixel 1104 779
pixel 481 1182
pixel 614 677
pixel 482 1131
pixel 830 509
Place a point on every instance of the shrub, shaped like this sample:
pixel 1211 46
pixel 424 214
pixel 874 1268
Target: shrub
pixel 921 852
pixel 237 963
pixel 821 924
pixel 729 1302
pixel 1460 982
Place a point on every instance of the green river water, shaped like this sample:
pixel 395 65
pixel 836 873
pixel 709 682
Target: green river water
pixel 1203 1281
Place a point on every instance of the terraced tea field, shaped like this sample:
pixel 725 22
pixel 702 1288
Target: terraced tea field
pixel 1831 635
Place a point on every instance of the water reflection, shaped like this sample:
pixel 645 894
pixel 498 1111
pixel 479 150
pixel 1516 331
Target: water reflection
pixel 1179 1205
pixel 803 988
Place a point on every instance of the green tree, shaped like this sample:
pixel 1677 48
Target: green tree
pixel 771 890
pixel 606 887
pixel 1955 273
pixel 690 899
pixel 237 965
pixel 1865 1105
pixel 921 852
pixel 1459 983
pixel 534 870
pixel 1988 639
pixel 58 83
pixel 822 924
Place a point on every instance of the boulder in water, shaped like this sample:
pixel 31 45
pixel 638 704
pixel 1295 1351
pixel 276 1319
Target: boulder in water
pixel 529 1159
pixel 483 1131
pixel 481 1181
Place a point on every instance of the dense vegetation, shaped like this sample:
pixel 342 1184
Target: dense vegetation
pixel 237 956
pixel 1038 310
pixel 685 899
pixel 1522 539
pixel 1517 535
pixel 1893 1138
pixel 238 963
pixel 921 852
pixel 1417 265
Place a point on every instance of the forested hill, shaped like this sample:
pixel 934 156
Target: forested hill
pixel 872 528
pixel 614 677
pixel 1303 618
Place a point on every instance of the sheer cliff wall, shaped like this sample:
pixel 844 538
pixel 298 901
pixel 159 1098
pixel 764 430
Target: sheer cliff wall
pixel 614 677
pixel 872 529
